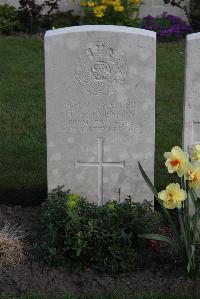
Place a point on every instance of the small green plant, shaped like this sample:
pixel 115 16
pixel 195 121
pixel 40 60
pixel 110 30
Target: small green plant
pixel 186 200
pixel 83 234
pixel 9 21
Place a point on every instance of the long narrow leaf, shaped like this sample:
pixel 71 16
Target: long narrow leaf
pixel 184 234
pixel 148 181
pixel 153 189
pixel 190 260
pixel 198 232
pixel 158 237
pixel 196 215
pixel 193 197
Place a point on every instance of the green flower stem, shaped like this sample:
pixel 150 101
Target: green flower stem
pixel 184 235
pixel 153 189
pixel 186 239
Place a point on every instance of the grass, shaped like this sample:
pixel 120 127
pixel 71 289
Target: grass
pixel 169 106
pixel 107 296
pixel 22 114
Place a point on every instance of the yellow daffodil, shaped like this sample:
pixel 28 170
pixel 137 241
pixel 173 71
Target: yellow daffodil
pixel 177 161
pixel 196 153
pixel 99 10
pixel 118 8
pixel 172 196
pixel 83 3
pixel 91 4
pixel 111 2
pixel 193 176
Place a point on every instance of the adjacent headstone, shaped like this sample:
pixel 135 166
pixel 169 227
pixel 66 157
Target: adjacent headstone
pixel 157 7
pixel 100 107
pixel 191 132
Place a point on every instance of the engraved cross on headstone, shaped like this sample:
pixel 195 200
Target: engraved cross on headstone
pixel 100 164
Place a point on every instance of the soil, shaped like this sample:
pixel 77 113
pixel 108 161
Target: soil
pixel 158 271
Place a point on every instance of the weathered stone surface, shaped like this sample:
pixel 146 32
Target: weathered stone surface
pixel 191 132
pixel 157 7
pixel 100 98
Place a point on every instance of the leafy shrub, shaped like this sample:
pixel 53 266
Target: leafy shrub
pixel 33 15
pixel 103 238
pixel 167 27
pixel 64 19
pixel 114 12
pixel 9 21
pixel 195 14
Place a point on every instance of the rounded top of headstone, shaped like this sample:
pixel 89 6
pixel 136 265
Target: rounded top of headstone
pixel 193 36
pixel 103 28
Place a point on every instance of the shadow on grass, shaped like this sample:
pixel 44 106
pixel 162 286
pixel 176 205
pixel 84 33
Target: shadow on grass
pixel 24 197
pixel 109 296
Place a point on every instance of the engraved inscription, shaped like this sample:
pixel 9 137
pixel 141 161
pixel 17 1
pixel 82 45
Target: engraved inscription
pixel 100 69
pixel 87 117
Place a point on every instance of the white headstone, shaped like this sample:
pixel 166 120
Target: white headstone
pixel 100 106
pixel 191 132
pixel 157 7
